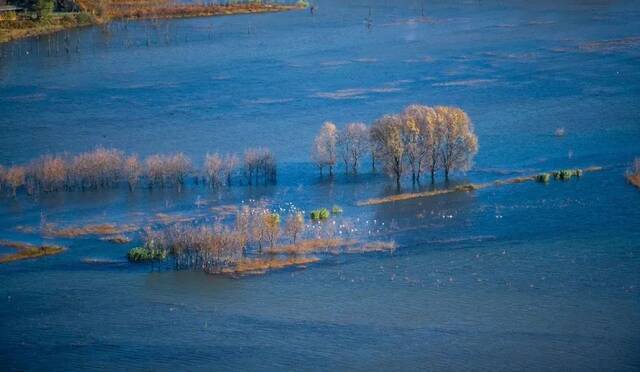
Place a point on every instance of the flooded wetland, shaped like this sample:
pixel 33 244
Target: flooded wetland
pixel 199 193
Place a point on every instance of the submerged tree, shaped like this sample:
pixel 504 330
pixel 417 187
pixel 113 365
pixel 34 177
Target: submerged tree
pixel 15 177
pixel 386 137
pixel 294 226
pixel 324 152
pixel 458 144
pixel 354 143
pixel 424 146
pixel 133 171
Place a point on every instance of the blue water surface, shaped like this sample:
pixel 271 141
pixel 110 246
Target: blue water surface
pixel 517 277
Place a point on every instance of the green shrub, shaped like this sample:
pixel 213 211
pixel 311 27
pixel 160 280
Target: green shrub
pixel 566 174
pixel 320 214
pixel 543 177
pixel 144 254
pixel 336 209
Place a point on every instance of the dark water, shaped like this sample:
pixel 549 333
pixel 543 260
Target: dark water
pixel 521 277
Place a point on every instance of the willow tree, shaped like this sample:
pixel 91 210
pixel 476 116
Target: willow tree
pixel 459 143
pixel 386 139
pixel 324 152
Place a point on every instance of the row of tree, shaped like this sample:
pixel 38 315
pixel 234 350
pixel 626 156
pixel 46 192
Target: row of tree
pixel 105 168
pixel 420 139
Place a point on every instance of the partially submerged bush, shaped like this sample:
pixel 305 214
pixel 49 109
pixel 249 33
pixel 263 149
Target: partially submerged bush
pixel 336 209
pixel 259 164
pixel 543 177
pixel 163 169
pixel 133 171
pixel 320 214
pixel 145 254
pixel 566 174
pixel 96 169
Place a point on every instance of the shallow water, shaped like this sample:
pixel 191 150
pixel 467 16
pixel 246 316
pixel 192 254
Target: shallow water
pixel 523 276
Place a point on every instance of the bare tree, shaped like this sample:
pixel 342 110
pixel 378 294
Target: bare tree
pixel 243 222
pixel 294 226
pixel 133 171
pixel 272 223
pixel 259 163
pixel 156 169
pixel 15 177
pixel 324 152
pixel 230 164
pixel 259 228
pixel 386 137
pixel 459 143
pixel 213 167
pixel 353 143
pixel 179 166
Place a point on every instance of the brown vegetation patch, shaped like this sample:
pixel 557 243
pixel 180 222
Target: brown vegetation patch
pixel 167 219
pixel 117 239
pixel 634 179
pixel 224 210
pixel 423 194
pixel 311 246
pixel 77 231
pixel 261 265
pixel 166 9
pixel 27 251
pixel 332 246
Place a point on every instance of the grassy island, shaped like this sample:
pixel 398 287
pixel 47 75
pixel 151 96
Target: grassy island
pixel 38 18
pixel 27 251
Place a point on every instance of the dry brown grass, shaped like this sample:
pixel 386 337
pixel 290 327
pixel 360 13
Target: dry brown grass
pixel 166 9
pixel 423 194
pixel 310 246
pixel 262 265
pixel 634 179
pixel 332 246
pixel 117 239
pixel 27 251
pixel 633 174
pixel 77 231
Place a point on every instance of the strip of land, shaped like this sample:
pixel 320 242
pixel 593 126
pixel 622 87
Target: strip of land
pixel 27 251
pixel 15 26
pixel 634 179
pixel 464 188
